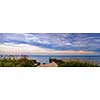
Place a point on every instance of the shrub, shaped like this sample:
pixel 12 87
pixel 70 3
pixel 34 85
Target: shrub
pixel 75 63
pixel 23 61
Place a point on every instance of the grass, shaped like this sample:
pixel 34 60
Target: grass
pixel 74 63
pixel 23 61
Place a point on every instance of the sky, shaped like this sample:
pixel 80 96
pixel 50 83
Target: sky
pixel 49 43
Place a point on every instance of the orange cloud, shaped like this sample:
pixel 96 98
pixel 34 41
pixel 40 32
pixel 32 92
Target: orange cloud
pixel 9 48
pixel 74 52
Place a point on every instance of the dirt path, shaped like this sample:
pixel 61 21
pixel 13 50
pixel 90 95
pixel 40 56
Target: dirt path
pixel 53 64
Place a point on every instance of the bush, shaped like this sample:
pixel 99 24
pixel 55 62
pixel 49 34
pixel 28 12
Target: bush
pixel 23 61
pixel 74 63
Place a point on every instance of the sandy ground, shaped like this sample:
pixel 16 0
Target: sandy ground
pixel 53 64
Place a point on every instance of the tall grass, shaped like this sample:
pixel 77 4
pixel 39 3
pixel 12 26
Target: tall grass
pixel 74 63
pixel 23 61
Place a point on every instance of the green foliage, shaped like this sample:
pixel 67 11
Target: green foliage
pixel 23 61
pixel 74 63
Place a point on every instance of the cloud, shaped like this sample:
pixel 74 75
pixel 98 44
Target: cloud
pixel 17 49
pixel 52 41
pixel 74 52
pixel 56 39
pixel 10 48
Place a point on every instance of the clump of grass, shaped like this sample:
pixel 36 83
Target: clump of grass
pixel 23 61
pixel 74 63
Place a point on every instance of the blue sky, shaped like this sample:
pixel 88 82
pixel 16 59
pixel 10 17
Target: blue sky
pixel 66 43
